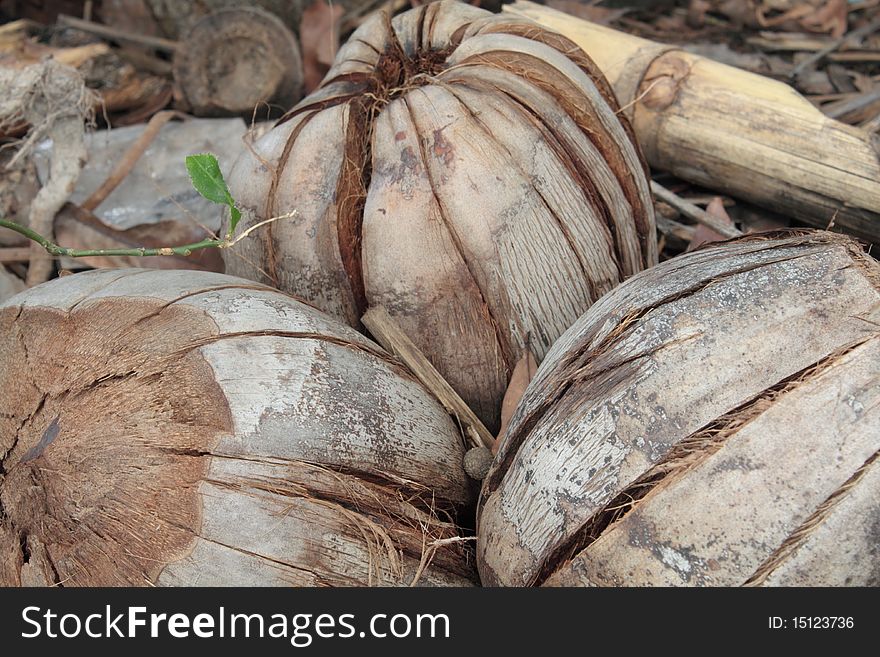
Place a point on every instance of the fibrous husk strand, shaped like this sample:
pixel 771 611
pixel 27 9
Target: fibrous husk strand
pixel 53 99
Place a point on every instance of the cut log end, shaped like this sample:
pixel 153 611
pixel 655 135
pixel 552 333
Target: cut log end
pixel 235 60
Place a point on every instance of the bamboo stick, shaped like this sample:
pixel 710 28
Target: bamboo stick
pixel 733 131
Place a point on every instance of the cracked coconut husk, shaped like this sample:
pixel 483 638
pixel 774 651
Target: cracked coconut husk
pixel 626 464
pixel 194 428
pixel 468 172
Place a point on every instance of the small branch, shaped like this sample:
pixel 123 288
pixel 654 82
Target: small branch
pixel 113 34
pixel 56 250
pixel 251 229
pixel 693 212
pixel 129 159
pixel 182 250
pixel 859 102
pixel 672 227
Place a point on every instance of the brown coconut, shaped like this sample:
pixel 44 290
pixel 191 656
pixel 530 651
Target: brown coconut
pixel 713 421
pixel 467 171
pixel 184 428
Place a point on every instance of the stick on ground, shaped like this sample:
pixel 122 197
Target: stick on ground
pixel 129 159
pixel 860 33
pixel 691 211
pixel 113 34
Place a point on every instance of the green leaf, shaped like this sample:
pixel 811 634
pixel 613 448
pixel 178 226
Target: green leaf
pixel 234 217
pixel 204 172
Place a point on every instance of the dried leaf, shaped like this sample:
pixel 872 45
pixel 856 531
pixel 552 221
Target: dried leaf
pixel 741 13
pixel 816 83
pixel 523 373
pixel 753 219
pixel 840 79
pixel 818 16
pixel 703 234
pixel 696 14
pixel 786 20
pixel 863 83
pixel 830 18
pixel 319 40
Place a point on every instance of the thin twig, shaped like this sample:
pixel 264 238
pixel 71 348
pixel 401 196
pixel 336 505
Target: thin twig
pixel 182 250
pixel 861 32
pixel 392 338
pixel 623 108
pixel 859 102
pixel 113 34
pixel 672 227
pixel 693 212
pixel 129 159
pixel 56 250
pixel 430 549
pixel 251 229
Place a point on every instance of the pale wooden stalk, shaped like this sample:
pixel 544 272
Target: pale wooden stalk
pixel 393 339
pixel 733 131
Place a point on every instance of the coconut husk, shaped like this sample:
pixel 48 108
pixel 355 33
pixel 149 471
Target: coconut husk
pixel 714 421
pixel 197 429
pixel 469 172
